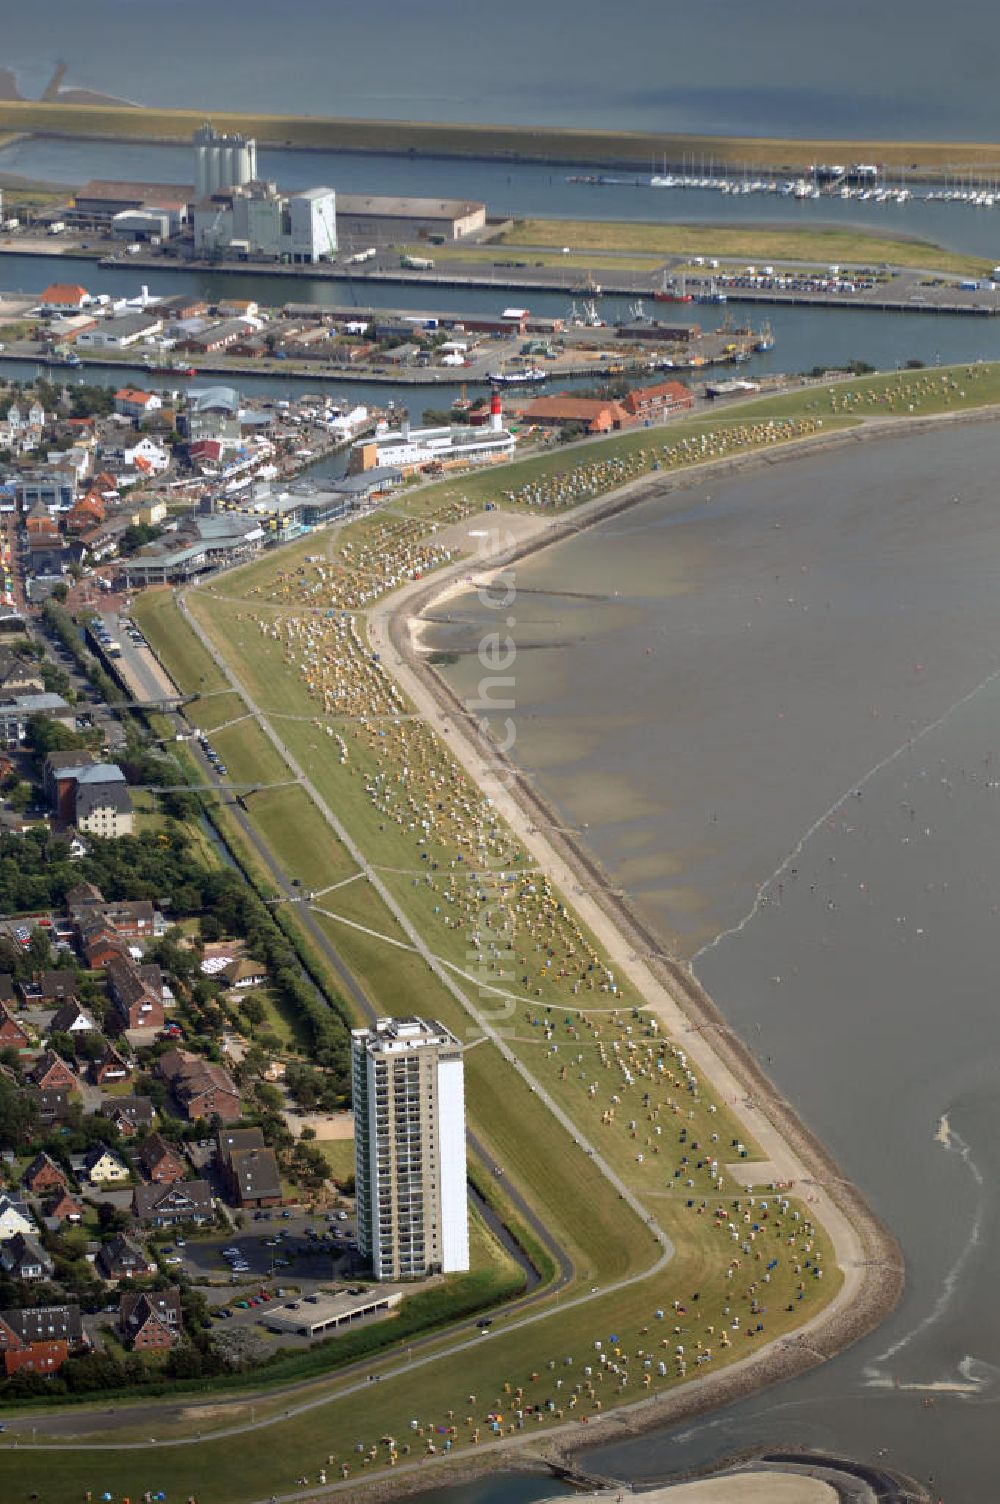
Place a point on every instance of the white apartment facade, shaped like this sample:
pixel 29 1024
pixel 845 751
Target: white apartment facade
pixel 409 1122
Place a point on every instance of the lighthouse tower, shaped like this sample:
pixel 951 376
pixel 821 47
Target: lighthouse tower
pixel 496 415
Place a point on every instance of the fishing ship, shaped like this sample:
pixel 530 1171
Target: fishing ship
pixel 523 376
pixel 671 292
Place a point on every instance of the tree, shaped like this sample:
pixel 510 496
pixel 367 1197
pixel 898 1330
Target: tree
pixel 63 1043
pixel 18 1116
pixel 253 1011
pixel 43 735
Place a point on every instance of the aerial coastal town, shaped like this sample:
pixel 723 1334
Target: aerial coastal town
pixel 392 1098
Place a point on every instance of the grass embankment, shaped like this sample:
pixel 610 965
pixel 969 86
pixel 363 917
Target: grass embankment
pixel 786 243
pixel 598 1240
pixel 539 143
pixel 675 1171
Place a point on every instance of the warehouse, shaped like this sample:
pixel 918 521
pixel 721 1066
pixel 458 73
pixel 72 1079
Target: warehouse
pixel 363 220
pixel 98 201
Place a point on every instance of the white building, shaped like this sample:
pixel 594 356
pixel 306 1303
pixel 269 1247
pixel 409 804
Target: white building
pixel 257 220
pixel 155 459
pixel 222 162
pixel 13 1218
pixel 409 1146
pixel 410 449
pixel 120 332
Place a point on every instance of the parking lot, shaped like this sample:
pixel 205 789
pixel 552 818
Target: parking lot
pixel 297 1247
pixel 296 1254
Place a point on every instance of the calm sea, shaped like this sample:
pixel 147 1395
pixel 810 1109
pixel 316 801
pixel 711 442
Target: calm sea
pixel 901 69
pixel 779 718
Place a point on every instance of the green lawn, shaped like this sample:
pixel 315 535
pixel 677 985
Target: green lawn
pixel 180 652
pixel 787 243
pixel 339 1155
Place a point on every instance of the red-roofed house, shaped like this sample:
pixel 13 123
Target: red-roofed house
pixel 86 513
pixel 11 1032
pixel 64 1208
pixel 37 1357
pixel 593 414
pixel 649 402
pixel 131 402
pixel 64 297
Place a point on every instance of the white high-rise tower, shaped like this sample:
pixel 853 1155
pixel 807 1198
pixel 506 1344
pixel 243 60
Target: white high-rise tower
pixel 409 1148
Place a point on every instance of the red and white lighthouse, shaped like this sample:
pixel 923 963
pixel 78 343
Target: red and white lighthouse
pixel 496 413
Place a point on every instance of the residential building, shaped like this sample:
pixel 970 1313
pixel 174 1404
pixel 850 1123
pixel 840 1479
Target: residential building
pixel 124 1258
pixel 648 403
pixel 146 456
pixel 19 675
pixel 51 1103
pixel 132 402
pixel 21 1325
pixel 110 1068
pixel 249 1168
pixel 24 1258
pixel 70 1018
pixel 64 297
pixel 53 985
pixel 409 1123
pixel 43 1174
pixel 150 1320
pixel 170 1205
pixel 201 1087
pixel 62 1207
pixel 139 1005
pixel 102 804
pixel 44 1358
pixel 161 1161
pixel 130 1115
pixel 244 972
pixel 102 1166
pixel 14 1217
pixel 51 1073
pixel 18 710
pixel 12 1036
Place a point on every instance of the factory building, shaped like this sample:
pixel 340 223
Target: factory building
pixel 257 220
pixel 408 1083
pixel 366 220
pixel 99 201
pixel 222 162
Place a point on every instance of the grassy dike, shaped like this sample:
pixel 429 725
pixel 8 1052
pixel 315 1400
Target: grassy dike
pixel 515 143
pixel 294 1433
pixel 613 239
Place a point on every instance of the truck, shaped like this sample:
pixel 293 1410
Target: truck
pixel 360 257
pixel 417 263
pixel 56 227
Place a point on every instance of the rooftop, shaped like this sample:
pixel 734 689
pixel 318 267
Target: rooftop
pixel 390 206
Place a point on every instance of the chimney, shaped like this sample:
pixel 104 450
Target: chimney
pixel 496 415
